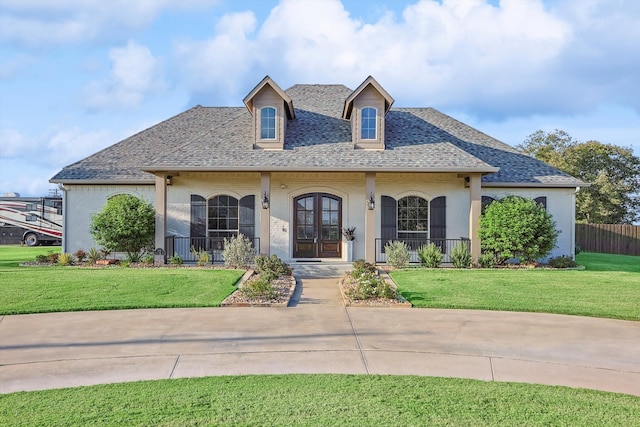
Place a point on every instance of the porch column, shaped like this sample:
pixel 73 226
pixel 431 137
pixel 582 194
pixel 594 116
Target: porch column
pixel 369 218
pixel 475 194
pixel 265 214
pixel 161 218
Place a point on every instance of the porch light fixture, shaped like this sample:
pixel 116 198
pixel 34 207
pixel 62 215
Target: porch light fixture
pixel 169 179
pixel 371 202
pixel 265 201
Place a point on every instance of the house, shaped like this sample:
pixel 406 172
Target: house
pixel 293 167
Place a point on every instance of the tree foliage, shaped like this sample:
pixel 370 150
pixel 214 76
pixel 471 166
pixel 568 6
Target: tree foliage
pixel 125 224
pixel 612 171
pixel 515 227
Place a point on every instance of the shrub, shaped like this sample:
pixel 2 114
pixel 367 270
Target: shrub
pixel 430 255
pixel 370 285
pixel 147 259
pixel 65 259
pixel 272 266
pixel 53 257
pixel 516 227
pixel 126 224
pixel 487 260
pixel 132 257
pixel 201 256
pixel 460 255
pixel 361 266
pixel 80 255
pixel 42 258
pixel 238 252
pixel 259 288
pixel 94 255
pixel 397 253
pixel 562 262
pixel 125 264
pixel 176 260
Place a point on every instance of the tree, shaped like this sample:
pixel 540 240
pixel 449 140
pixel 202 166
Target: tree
pixel 612 171
pixel 126 224
pixel 516 227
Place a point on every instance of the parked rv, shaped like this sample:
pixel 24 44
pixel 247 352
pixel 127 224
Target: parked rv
pixel 31 220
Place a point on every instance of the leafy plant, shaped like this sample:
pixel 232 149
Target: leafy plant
pixel 176 260
pixel 53 257
pixel 487 260
pixel 94 255
pixel 361 266
pixel 563 261
pixel 260 288
pixel 41 258
pixel 125 224
pixel 201 256
pixel 125 263
pixel 65 259
pixel 397 253
pixel 271 266
pixel 516 227
pixel 80 255
pixel 460 255
pixel 238 252
pixel 370 285
pixel 430 255
pixel 349 233
pixel 147 259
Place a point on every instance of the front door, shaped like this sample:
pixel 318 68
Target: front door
pixel 317 222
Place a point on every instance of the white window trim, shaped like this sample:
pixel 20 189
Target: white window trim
pixel 375 110
pixel 275 124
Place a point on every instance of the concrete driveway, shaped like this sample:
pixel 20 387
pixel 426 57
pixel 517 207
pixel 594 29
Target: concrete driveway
pixel 317 335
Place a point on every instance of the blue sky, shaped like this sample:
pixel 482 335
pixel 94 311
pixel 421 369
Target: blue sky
pixel 79 75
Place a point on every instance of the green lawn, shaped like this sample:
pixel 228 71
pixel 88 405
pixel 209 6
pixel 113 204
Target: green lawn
pixel 49 289
pixel 319 400
pixel 609 286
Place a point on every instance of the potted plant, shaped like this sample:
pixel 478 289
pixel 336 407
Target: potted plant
pixel 350 236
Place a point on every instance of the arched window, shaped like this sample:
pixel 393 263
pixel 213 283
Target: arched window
pixel 413 218
pixel 268 123
pixel 369 122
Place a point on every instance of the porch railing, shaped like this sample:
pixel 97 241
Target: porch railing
pixel 446 245
pixel 213 245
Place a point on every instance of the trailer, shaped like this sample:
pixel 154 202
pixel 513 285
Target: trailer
pixel 31 220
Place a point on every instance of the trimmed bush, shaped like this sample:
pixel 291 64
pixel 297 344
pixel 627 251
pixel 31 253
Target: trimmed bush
pixel 430 255
pixel 361 266
pixel 487 260
pixel 272 266
pixel 259 288
pixel 42 258
pixel 238 252
pixel 563 261
pixel 370 285
pixel 516 227
pixel 176 260
pixel 460 255
pixel 397 253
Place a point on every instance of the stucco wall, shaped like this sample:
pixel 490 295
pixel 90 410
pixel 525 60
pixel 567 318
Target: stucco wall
pixel 82 201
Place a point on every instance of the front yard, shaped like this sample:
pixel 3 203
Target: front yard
pixel 49 289
pixel 609 286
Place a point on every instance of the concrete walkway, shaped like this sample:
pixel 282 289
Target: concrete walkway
pixel 317 334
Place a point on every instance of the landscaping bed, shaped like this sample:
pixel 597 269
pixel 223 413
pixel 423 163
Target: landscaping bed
pixel 366 286
pixel 283 286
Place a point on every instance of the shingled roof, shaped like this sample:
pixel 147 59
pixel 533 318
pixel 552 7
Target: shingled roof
pixel 318 139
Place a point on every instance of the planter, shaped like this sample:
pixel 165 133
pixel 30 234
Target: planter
pixel 349 250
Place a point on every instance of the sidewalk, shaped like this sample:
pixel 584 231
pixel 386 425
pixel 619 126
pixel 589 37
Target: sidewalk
pixel 317 334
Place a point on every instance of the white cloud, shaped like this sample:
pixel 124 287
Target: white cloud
pixel 135 72
pixel 47 22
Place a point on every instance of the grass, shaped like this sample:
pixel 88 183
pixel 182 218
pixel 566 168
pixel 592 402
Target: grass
pixel 327 400
pixel 51 289
pixel 609 286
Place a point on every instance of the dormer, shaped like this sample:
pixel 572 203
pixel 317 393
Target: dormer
pixel 271 109
pixel 367 108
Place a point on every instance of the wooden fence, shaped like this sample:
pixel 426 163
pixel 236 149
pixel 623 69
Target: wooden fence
pixel 609 238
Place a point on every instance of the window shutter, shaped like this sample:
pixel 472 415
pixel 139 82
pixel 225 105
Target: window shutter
pixel 198 216
pixel 542 200
pixel 438 207
pixel 247 216
pixel 389 220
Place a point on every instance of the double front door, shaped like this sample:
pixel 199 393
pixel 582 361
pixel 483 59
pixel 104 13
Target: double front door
pixel 317 224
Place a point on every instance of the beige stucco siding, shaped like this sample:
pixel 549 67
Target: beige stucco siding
pixel 82 201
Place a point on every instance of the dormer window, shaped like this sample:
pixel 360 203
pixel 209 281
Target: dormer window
pixel 268 123
pixel 369 122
